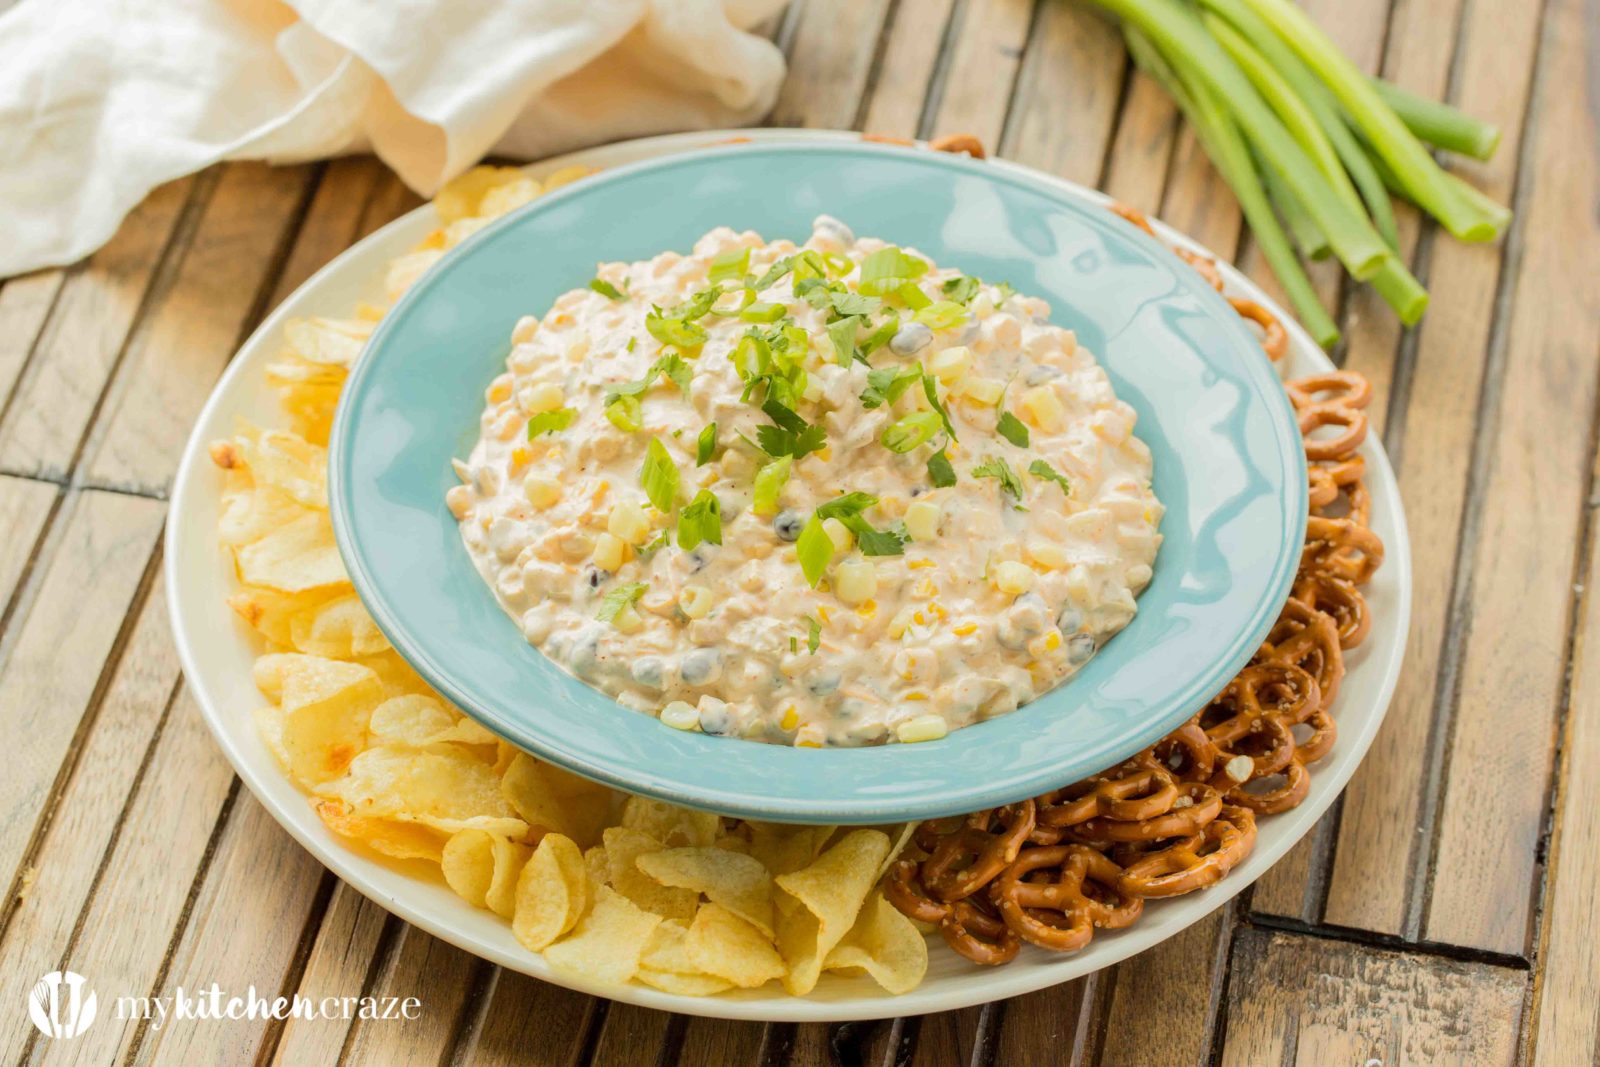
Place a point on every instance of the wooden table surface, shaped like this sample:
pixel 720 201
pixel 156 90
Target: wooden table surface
pixel 1444 911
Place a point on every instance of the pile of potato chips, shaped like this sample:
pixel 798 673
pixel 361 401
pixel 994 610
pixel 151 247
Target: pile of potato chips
pixel 609 888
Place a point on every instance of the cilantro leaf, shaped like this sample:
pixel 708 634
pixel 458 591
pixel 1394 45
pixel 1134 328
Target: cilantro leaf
pixel 872 542
pixel 612 603
pixel 999 468
pixel 776 441
pixel 962 289
pixel 606 289
pixel 842 332
pixel 550 421
pixel 1040 469
pixel 885 385
pixel 659 476
pixel 940 472
pixel 700 521
pixel 890 542
pixel 847 506
pixel 932 394
pixel 1011 428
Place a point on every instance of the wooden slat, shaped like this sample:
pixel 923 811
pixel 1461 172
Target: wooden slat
pixel 244 929
pixel 915 39
pixel 25 303
pixel 717 1042
pixel 1303 1000
pixel 834 45
pixel 49 679
pixel 1064 108
pixel 439 975
pixel 341 964
pixel 79 349
pixel 1136 165
pixel 169 371
pixel 528 1021
pixel 88 815
pixel 332 223
pixel 1377 866
pixel 634 1037
pixel 1494 803
pixel 24 509
pixel 1162 1005
pixel 145 886
pixel 985 52
pixel 1057 1020
pixel 948 1038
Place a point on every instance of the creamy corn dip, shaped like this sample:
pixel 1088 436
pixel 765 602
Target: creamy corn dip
pixel 819 495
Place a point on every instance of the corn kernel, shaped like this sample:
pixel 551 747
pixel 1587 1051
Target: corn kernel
pixel 966 629
pixel 922 520
pixel 521 456
pixel 900 622
pixel 825 453
pixel 813 390
pixel 823 613
pixel 1013 577
pixel 1044 644
pixel 839 534
pixel 695 601
pixel 608 549
pixel 951 364
pixel 681 715
pixel 541 492
pixel 922 728
pixel 542 398
pixel 920 564
pixel 868 610
pixel 892 505
pixel 1043 409
pixel 527 326
pixel 627 620
pixel 499 390
pixel 791 718
pixel 1047 555
pixel 810 736
pixel 915 694
pixel 925 589
pixel 628 523
pixel 983 390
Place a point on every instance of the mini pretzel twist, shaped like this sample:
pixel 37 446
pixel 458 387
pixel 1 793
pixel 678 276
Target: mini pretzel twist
pixel 1181 814
pixel 959 143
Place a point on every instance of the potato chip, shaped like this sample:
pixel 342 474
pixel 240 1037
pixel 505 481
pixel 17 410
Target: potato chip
pixel 396 674
pixel 901 839
pixel 552 893
pixel 551 798
pixel 830 891
pixel 784 849
pixel 598 866
pixel 339 628
pixel 721 943
pixel 326 705
pixel 884 944
pixel 271 612
pixel 605 947
pixel 670 824
pixel 337 342
pixel 623 849
pixel 462 196
pixel 269 721
pixel 566 176
pixel 683 985
pixel 251 512
pixel 420 721
pixel 311 407
pixel 289 371
pixel 298 556
pixel 503 198
pixel 444 789
pixel 403 841
pixel 404 271
pixel 483 869
pixel 286 462
pixel 732 879
pixel 461 229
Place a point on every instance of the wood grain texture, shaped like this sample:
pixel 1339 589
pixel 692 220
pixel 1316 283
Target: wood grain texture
pixel 49 678
pixel 1054 1025
pixel 531 1022
pixel 192 332
pixel 36 929
pixel 57 399
pixel 25 508
pixel 443 978
pixel 333 221
pixel 25 304
pixel 143 895
pixel 1492 811
pixel 1382 853
pixel 914 40
pixel 1068 89
pixel 985 52
pixel 342 963
pixel 1304 1000
pixel 634 1037
pixel 833 49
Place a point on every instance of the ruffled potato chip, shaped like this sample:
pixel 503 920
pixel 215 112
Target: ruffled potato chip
pixel 829 893
pixel 785 849
pixel 447 790
pixel 419 721
pixel 404 271
pixel 396 674
pixel 295 557
pixel 287 462
pixel 508 197
pixel 462 196
pixel 901 838
pixel 884 944
pixel 251 512
pixel 403 841
pixel 483 868
pixel 605 947
pixel 326 705
pixel 624 847
pixel 336 342
pixel 549 797
pixel 271 612
pixel 552 894
pixel 598 865
pixel 722 944
pixel 732 879
pixel 339 628
pixel 670 824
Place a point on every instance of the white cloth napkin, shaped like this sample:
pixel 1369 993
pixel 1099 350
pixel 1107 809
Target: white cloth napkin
pixel 102 100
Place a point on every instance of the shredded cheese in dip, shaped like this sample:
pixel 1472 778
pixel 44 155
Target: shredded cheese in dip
pixel 816 495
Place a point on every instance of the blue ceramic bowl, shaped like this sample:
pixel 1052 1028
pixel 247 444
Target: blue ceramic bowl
pixel 1228 466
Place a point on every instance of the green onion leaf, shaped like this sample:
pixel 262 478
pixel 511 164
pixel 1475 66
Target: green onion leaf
pixel 961 289
pixel 612 603
pixel 624 413
pixel 999 468
pixel 675 331
pixel 730 266
pixel 606 289
pixel 885 385
pixel 940 472
pixel 907 433
pixel 813 634
pixel 700 521
pixel 770 480
pixel 775 273
pixel 1040 469
pixel 659 476
pixel 887 269
pixel 705 445
pixel 747 297
pixel 914 298
pixel 932 394
pixel 763 313
pixel 879 337
pixel 942 315
pixel 550 421
pixel 843 335
pixel 815 549
pixel 1011 428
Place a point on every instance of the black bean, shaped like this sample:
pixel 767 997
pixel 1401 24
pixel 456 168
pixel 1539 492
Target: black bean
pixel 788 525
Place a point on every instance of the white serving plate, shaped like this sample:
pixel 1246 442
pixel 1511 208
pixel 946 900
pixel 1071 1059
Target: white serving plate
pixel 217 650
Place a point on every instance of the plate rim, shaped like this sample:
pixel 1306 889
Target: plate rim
pixel 417 644
pixel 288 807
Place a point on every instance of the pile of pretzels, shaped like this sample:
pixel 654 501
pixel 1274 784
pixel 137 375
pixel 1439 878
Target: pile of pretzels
pixel 1180 815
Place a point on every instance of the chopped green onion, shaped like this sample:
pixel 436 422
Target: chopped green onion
pixel 1011 428
pixel 961 289
pixel 763 313
pixel 700 521
pixel 705 445
pixel 675 331
pixel 813 634
pixel 659 476
pixel 1040 469
pixel 747 297
pixel 942 315
pixel 606 289
pixel 550 421
pixel 907 433
pixel 612 603
pixel 932 393
pixel 879 337
pixel 886 270
pixel 940 472
pixel 999 468
pixel 624 413
pixel 872 542
pixel 770 480
pixel 815 550
pixel 730 266
pixel 842 335
pixel 913 296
